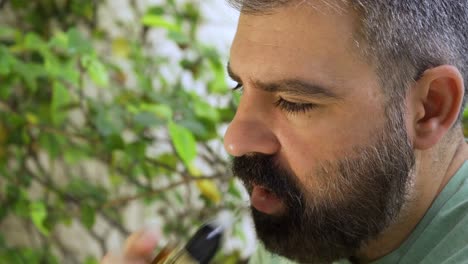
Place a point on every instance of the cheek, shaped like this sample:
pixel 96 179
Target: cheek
pixel 308 141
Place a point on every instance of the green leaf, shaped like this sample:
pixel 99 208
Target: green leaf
pixel 38 212
pixel 156 10
pixel 150 115
pixel 6 61
pixel 59 41
pixel 226 114
pixel 233 189
pixel 465 114
pixel 83 8
pixel 109 121
pixel 33 41
pixel 168 159
pixel 91 260
pixel 96 70
pixel 205 110
pixel 210 53
pixel 64 71
pixel 160 110
pixel 4 66
pixel 200 128
pixel 77 43
pixel 53 143
pixel 60 98
pixel 116 180
pixel 70 73
pixel 74 155
pixel 179 37
pixel 22 208
pixel 7 32
pixel 236 97
pixel 157 21
pixel 52 65
pixel 30 72
pixel 88 216
pixel 179 198
pixel 114 142
pixel 83 189
pixel 137 150
pixel 184 142
pixel 147 120
pixel 218 84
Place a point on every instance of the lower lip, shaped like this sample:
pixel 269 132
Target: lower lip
pixel 266 202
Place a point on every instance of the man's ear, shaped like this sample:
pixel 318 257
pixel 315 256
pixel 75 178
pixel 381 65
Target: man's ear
pixel 436 100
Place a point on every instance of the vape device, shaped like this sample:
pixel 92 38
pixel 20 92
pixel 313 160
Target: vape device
pixel 200 249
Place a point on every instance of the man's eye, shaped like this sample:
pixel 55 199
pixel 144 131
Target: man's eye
pixel 238 87
pixel 294 108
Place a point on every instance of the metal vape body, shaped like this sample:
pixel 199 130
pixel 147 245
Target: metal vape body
pixel 200 249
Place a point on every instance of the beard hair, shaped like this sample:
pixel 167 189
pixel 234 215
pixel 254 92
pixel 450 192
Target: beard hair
pixel 360 196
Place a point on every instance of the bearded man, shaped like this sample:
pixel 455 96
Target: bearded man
pixel 348 134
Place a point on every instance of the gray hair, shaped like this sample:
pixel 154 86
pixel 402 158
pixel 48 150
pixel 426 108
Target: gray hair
pixel 403 38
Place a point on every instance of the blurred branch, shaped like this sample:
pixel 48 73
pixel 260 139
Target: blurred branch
pixel 94 19
pixel 114 223
pixel 101 241
pixel 214 157
pixel 161 165
pixel 67 253
pixel 55 131
pixel 2 3
pixel 155 192
pixel 45 242
pixel 50 186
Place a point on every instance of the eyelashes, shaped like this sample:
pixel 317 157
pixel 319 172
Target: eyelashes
pixel 238 87
pixel 294 108
pixel 284 105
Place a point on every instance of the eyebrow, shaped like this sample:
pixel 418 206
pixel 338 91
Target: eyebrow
pixel 291 86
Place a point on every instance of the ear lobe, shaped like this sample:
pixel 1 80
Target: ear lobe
pixel 441 91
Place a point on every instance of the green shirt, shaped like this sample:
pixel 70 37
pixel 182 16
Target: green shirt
pixel 441 237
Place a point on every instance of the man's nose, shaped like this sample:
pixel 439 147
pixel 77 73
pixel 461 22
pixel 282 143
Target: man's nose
pixel 250 132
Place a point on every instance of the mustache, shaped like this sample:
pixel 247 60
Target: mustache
pixel 265 171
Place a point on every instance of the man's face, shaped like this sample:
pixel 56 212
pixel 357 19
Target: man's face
pixel 326 167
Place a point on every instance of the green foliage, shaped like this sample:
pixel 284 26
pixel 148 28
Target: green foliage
pixel 184 142
pixel 68 104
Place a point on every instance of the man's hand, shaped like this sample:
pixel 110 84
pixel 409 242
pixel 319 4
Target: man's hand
pixel 139 249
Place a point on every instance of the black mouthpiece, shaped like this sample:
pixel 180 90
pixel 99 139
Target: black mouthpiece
pixel 204 244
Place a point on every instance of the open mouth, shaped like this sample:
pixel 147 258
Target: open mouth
pixel 265 201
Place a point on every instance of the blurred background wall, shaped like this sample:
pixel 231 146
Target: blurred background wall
pixel 111 117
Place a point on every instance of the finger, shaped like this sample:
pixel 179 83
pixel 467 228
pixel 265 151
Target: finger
pixel 111 259
pixel 141 244
pixel 118 259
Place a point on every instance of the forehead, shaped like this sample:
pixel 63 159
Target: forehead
pixel 298 41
